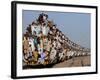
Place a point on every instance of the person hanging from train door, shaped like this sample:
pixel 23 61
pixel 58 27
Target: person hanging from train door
pixel 35 40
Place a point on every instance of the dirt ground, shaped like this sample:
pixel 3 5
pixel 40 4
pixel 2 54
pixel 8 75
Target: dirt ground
pixel 75 62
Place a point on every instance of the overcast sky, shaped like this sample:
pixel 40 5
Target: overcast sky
pixel 76 26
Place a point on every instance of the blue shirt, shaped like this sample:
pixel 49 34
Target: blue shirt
pixel 43 55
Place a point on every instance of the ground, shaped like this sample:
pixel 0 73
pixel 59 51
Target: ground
pixel 75 62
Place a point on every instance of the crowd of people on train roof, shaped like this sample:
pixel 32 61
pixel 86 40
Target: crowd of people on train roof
pixel 44 43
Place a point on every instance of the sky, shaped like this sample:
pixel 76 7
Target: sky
pixel 76 26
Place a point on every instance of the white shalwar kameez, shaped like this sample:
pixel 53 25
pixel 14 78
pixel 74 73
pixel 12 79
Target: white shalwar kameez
pixel 31 42
pixel 33 28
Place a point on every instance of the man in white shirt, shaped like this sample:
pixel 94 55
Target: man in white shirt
pixel 45 29
pixel 38 29
pixel 53 54
pixel 31 43
pixel 33 28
